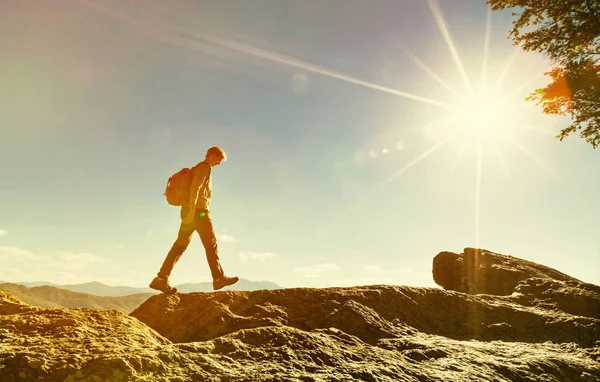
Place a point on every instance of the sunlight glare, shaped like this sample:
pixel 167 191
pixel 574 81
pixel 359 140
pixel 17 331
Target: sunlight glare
pixel 465 143
pixel 502 160
pixel 486 47
pixel 486 114
pixel 428 70
pixel 478 180
pixel 443 28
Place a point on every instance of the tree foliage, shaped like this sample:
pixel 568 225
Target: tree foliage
pixel 567 32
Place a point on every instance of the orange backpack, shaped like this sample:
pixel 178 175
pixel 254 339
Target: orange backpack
pixel 177 191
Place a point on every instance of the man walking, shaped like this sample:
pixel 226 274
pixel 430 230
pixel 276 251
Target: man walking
pixel 195 216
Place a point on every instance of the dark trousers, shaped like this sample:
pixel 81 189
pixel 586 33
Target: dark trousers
pixel 203 225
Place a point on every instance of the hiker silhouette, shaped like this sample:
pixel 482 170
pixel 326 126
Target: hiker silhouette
pixel 191 189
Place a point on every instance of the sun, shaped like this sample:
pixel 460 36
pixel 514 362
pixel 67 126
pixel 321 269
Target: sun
pixel 486 113
pixel 483 117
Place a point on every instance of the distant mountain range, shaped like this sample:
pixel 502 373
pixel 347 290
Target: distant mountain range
pixel 95 295
pixel 93 287
pixel 99 289
pixel 46 296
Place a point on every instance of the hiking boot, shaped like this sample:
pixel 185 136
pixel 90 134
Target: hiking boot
pixel 162 285
pixel 224 281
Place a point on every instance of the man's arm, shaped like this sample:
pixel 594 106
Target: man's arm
pixel 199 176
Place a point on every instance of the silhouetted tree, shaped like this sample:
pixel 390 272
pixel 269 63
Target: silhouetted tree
pixel 567 32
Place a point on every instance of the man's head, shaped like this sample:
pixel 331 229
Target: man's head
pixel 215 155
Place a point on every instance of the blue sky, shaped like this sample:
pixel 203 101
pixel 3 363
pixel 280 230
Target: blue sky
pixel 342 170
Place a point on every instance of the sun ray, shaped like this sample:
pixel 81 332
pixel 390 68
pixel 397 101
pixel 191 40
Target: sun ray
pixel 439 19
pixel 502 160
pixel 486 48
pixel 429 71
pixel 538 130
pixel 416 160
pixel 478 191
pixel 257 52
pixel 509 64
pixel 544 167
pixel 526 84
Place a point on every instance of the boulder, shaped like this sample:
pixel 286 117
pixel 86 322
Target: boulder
pixel 478 271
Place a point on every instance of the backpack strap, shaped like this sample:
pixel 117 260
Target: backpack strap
pixel 198 164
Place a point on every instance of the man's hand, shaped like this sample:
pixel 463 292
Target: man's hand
pixel 189 218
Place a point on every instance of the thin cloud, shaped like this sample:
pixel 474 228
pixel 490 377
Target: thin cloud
pixel 300 83
pixel 13 274
pixel 3 232
pixel 82 258
pixel 316 270
pixel 73 261
pixel 373 269
pixel 16 254
pixel 257 256
pixel 61 278
pixel 18 264
pixel 227 239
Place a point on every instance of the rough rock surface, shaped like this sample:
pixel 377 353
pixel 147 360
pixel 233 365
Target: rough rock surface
pixel 481 271
pixel 547 330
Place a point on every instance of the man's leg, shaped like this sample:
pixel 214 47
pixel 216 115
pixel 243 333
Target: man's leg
pixel 161 281
pixel 205 229
pixel 184 236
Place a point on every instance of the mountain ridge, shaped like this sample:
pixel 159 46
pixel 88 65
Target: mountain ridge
pixel 107 297
pixel 100 289
pixel 45 296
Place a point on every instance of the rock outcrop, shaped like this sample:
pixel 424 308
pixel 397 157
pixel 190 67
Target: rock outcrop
pixel 546 329
pixel 370 313
pixel 481 271
pixel 38 344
